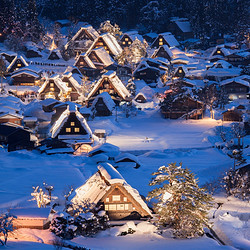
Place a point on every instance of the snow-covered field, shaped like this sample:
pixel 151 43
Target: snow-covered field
pixel 156 142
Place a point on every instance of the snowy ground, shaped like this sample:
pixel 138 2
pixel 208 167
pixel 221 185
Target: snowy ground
pixel 167 141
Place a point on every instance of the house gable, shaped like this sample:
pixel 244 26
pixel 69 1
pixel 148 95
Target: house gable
pixel 126 41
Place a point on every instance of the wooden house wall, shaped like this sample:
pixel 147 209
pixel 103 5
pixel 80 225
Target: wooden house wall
pixel 148 75
pixel 126 41
pixel 107 86
pixel 119 204
pixel 162 53
pixel 24 79
pixel 235 87
pixel 74 93
pixel 101 109
pixel 53 56
pixel 159 41
pixel 140 99
pixel 14 120
pixel 17 65
pixel 81 62
pixel 84 35
pixel 180 73
pixel 179 34
pixel 50 89
pixel 218 52
pixel 101 43
pixel 232 116
pixel 68 124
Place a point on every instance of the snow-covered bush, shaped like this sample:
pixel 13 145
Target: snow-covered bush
pixel 85 224
pixel 182 204
pixel 237 184
pixel 6 226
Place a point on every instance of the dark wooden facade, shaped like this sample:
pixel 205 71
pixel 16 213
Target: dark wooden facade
pixel 179 34
pixel 149 74
pixel 119 204
pixel 100 108
pixel 72 126
pixel 180 73
pixel 232 115
pixel 235 88
pixel 10 118
pixel 125 41
pixel 25 79
pixel 161 52
pixel 54 55
pixel 30 53
pixel 159 41
pixel 51 89
pixel 18 63
pixel 185 107
pixel 15 137
pixel 237 60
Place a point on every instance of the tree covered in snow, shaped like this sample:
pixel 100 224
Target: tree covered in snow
pixel 131 55
pixel 181 203
pixel 114 30
pixel 237 183
pixel 42 198
pixel 6 226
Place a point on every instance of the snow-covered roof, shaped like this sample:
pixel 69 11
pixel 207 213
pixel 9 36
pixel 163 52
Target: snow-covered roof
pixel 27 72
pixel 34 213
pixel 57 126
pixel 220 72
pixel 75 83
pixel 14 60
pixel 235 79
pixel 100 183
pixel 89 29
pixel 103 56
pixel 225 51
pixel 59 83
pixel 147 92
pixel 10 115
pixel 30 119
pixel 115 81
pixel 183 24
pixel 170 39
pixel 109 149
pixel 106 99
pixel 133 34
pixel 86 59
pixel 123 156
pixel 111 42
pixel 222 64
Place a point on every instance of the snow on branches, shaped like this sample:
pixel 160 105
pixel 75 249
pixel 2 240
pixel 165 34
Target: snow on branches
pixel 182 204
pixel 6 226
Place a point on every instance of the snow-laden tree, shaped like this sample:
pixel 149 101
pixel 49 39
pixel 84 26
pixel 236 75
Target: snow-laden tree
pixel 6 226
pixel 131 55
pixel 42 199
pixel 114 30
pixel 181 203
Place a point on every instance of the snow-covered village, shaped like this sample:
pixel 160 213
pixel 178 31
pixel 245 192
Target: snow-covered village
pixel 124 124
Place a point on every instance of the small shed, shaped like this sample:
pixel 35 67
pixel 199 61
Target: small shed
pixel 34 218
pixel 233 115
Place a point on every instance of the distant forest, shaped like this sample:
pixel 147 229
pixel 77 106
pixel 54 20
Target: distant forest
pixel 211 18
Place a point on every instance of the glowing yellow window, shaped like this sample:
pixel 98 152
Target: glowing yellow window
pixel 81 63
pixel 52 89
pixel 123 43
pixel 160 40
pixel 68 130
pixel 52 84
pixel 180 70
pixel 116 197
pixel 160 43
pixel 70 89
pixel 72 124
pixel 125 199
pixel 77 130
pixel 107 199
pixel 126 38
pixel 129 42
pixel 19 65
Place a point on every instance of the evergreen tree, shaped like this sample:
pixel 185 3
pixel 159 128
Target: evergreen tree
pixel 181 204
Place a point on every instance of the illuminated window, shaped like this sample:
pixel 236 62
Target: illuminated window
pixel 70 89
pixel 81 63
pixel 126 39
pixel 116 197
pixel 160 43
pixel 77 130
pixel 160 40
pixel 129 42
pixel 180 70
pixel 66 83
pixel 52 84
pixel 123 43
pixel 126 207
pixel 52 89
pixel 106 207
pixel 120 206
pixel 19 65
pixel 218 51
pixel 72 124
pixel 112 207
pixel 107 199
pixel 125 199
pixel 68 130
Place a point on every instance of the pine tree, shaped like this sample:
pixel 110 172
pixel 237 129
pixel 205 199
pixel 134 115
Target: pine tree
pixel 182 204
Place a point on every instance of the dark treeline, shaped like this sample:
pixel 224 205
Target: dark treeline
pixel 211 18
